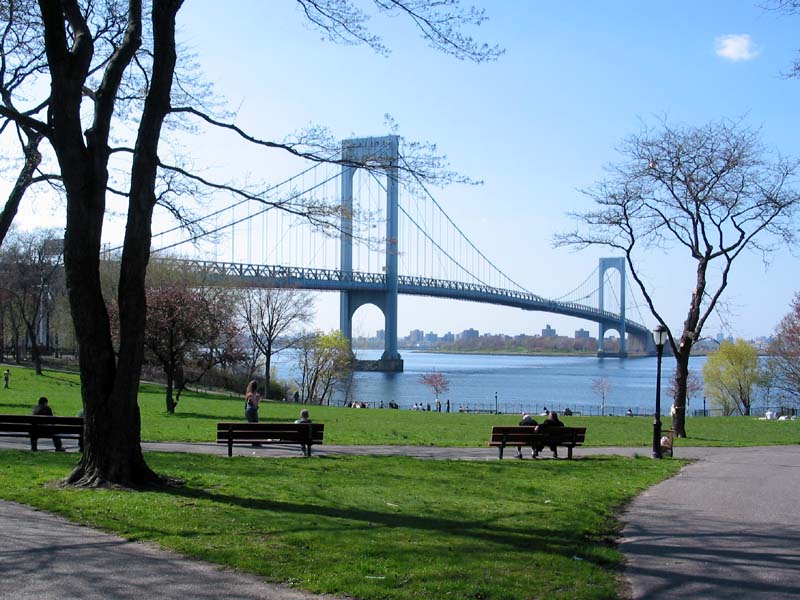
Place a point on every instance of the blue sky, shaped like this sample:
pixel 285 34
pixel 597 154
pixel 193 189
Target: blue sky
pixel 535 126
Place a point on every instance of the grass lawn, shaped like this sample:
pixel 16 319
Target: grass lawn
pixel 372 527
pixel 198 413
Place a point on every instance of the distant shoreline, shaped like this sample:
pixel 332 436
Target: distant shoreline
pixel 507 353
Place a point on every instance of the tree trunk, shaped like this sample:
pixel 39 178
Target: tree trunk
pixel 267 367
pixel 681 379
pixel 36 355
pixel 112 444
pixel 170 402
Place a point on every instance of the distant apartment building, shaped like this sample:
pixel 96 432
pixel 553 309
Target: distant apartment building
pixel 416 336
pixel 431 337
pixel 381 335
pixel 549 332
pixel 581 334
pixel 449 337
pixel 469 334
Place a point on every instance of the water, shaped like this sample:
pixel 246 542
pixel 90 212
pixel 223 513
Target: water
pixel 528 383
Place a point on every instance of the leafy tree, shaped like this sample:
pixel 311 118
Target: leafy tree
pixel 30 263
pixel 731 375
pixel 437 381
pixel 602 387
pixel 272 316
pixel 705 194
pixel 105 62
pixel 784 355
pixel 189 328
pixel 324 361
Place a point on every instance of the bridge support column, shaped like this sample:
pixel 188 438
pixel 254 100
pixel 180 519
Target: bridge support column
pixel 385 152
pixel 617 263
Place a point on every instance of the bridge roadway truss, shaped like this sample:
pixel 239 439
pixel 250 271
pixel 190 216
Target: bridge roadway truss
pixel 337 280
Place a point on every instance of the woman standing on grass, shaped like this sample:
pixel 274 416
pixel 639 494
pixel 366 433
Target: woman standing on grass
pixel 251 401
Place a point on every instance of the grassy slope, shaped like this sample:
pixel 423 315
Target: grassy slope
pixel 373 527
pixel 198 413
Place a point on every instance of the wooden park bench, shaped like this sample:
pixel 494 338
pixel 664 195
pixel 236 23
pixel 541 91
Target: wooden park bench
pixel 305 434
pixel 35 427
pixel 525 436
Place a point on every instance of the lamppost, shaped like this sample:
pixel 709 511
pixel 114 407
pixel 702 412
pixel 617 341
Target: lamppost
pixel 659 337
pixel 495 403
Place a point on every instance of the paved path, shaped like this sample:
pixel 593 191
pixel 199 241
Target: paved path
pixel 725 527
pixel 45 557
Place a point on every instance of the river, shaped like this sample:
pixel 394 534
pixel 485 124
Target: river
pixel 528 383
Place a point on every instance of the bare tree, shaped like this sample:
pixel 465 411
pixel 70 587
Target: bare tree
pixel 22 58
pixel 784 355
pixel 272 316
pixel 711 192
pixel 88 75
pixel 602 387
pixel 30 263
pixel 788 7
pixel 694 385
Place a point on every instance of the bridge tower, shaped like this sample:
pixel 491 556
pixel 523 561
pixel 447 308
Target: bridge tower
pixel 384 152
pixel 617 263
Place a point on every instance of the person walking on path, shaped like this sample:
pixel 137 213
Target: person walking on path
pixel 43 408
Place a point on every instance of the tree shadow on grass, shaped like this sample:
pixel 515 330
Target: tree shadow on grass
pixel 25 405
pixel 197 415
pixel 483 532
pixel 62 379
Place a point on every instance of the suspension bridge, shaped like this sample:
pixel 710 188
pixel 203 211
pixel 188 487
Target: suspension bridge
pixel 361 241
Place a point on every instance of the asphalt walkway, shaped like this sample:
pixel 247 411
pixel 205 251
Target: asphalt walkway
pixel 726 526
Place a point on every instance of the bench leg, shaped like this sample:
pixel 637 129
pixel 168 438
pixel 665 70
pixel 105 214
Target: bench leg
pixel 230 447
pixel 34 444
pixel 569 453
pixel 500 449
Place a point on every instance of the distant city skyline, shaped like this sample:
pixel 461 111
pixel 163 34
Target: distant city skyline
pixel 420 335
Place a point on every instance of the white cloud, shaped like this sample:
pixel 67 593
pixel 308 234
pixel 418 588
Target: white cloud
pixel 736 47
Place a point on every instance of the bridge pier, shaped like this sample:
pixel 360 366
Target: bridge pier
pixel 385 151
pixel 617 263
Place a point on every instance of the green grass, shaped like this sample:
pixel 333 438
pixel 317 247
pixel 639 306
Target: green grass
pixel 197 414
pixel 372 527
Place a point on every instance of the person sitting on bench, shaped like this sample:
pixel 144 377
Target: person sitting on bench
pixel 304 418
pixel 526 421
pixel 43 408
pixel 551 421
